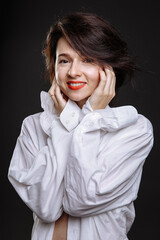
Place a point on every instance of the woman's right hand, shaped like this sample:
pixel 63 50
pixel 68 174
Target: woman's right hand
pixel 59 99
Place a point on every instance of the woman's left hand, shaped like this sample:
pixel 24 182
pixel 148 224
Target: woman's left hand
pixel 105 91
pixel 58 98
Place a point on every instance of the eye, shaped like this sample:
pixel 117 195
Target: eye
pixel 63 61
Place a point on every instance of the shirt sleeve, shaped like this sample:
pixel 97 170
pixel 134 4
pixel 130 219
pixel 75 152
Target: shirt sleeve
pixel 39 160
pixel 108 119
pixel 37 169
pixel 105 162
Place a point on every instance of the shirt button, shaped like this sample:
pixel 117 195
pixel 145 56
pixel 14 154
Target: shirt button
pixel 67 121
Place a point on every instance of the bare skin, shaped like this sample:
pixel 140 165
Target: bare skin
pixel 100 81
pixel 60 230
pixel 99 99
pixel 100 90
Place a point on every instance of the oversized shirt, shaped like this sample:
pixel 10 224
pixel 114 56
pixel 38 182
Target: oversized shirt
pixel 84 162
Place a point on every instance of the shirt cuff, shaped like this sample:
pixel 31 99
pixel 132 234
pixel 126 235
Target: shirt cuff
pixel 116 118
pixel 109 119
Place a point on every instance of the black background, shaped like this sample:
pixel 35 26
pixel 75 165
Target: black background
pixel 24 25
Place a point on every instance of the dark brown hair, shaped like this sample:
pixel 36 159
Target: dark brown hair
pixel 92 37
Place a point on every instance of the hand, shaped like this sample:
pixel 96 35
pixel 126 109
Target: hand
pixel 105 91
pixel 59 99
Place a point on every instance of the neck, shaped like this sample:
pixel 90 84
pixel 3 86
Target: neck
pixel 81 103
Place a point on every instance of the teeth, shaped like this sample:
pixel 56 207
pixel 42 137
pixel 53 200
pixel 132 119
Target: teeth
pixel 76 84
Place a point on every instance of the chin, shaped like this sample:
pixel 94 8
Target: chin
pixel 77 97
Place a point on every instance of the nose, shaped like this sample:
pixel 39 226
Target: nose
pixel 74 70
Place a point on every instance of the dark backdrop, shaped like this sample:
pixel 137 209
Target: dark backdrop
pixel 23 31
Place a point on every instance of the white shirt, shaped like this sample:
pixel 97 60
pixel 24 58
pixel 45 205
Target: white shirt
pixel 84 162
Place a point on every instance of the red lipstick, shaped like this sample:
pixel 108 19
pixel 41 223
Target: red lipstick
pixel 75 85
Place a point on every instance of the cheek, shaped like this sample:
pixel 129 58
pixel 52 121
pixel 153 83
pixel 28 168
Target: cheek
pixel 93 76
pixel 60 75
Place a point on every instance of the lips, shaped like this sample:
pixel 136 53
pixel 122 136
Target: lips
pixel 75 85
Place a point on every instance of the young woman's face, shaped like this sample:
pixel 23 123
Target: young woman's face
pixel 76 77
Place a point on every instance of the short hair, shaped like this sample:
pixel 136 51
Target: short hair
pixel 92 37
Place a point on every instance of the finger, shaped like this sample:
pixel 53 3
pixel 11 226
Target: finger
pixel 53 97
pixel 102 81
pixel 52 89
pixel 109 80
pixel 113 82
pixel 59 96
pixel 109 88
pixel 53 94
pixel 113 85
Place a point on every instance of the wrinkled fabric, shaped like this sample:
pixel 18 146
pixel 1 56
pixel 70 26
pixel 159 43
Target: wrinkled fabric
pixel 84 162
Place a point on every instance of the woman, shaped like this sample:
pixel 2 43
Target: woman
pixel 78 164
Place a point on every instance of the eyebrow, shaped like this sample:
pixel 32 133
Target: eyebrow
pixel 63 55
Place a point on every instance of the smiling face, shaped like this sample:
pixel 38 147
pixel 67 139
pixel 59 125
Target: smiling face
pixel 77 77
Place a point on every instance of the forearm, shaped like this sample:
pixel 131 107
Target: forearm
pixel 103 174
pixel 37 174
